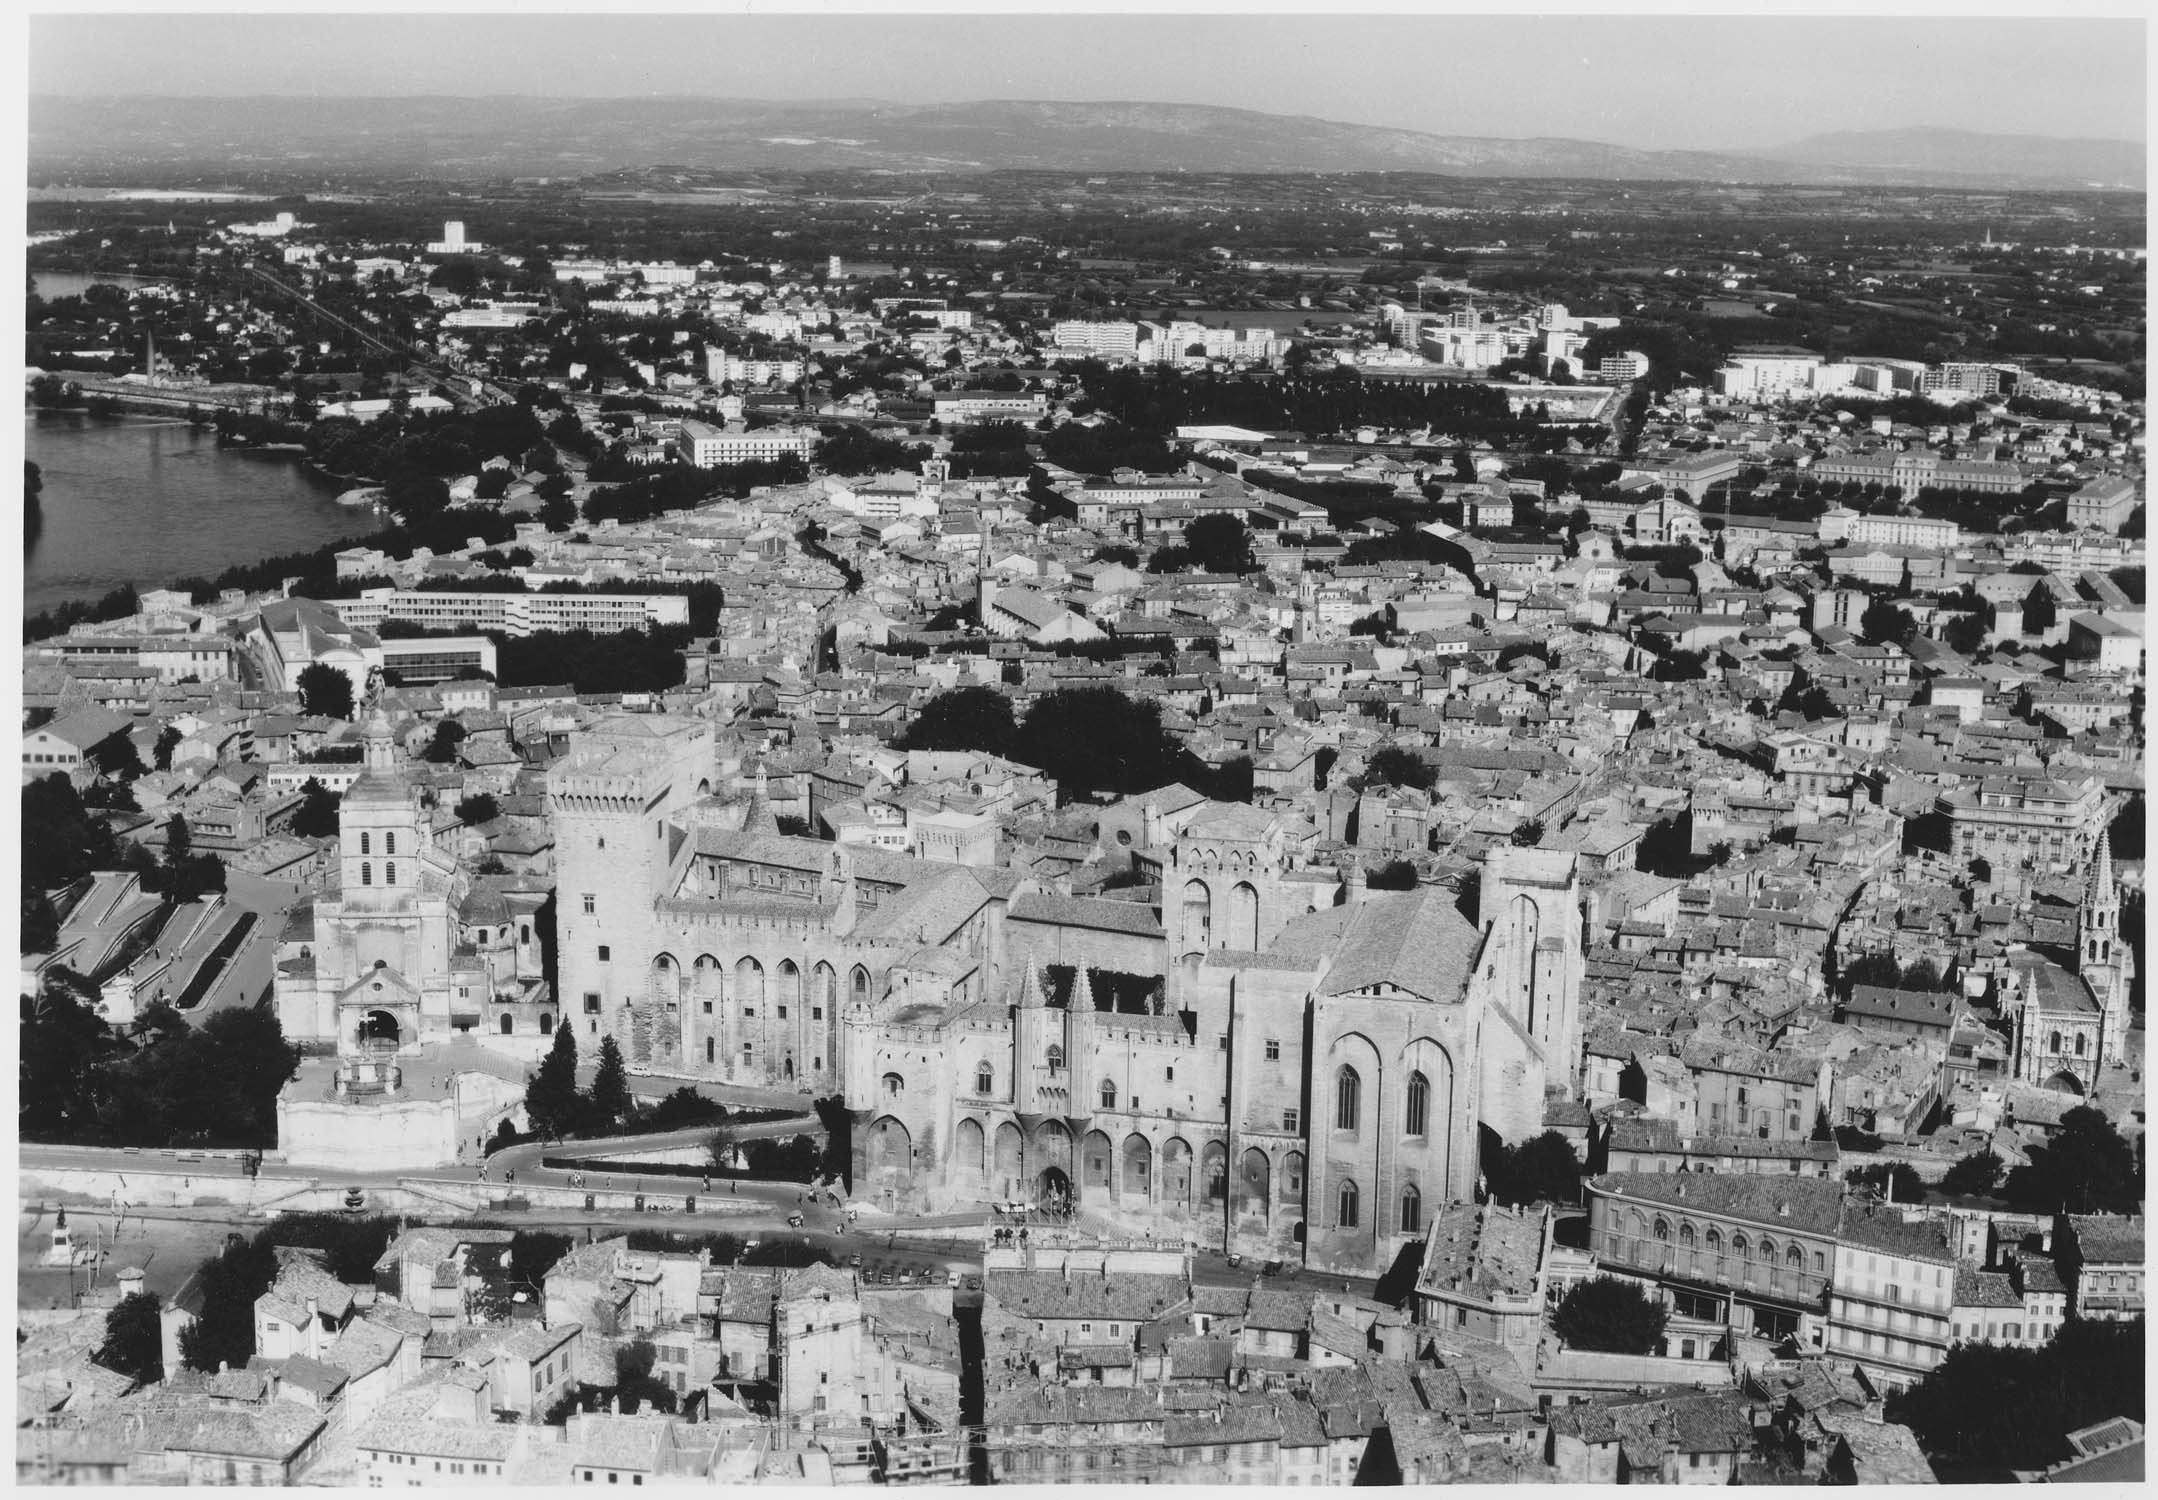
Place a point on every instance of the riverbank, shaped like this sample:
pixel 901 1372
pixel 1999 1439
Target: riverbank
pixel 141 500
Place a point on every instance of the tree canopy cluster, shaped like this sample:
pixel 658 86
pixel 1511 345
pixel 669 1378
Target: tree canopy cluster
pixel 2004 1408
pixel 1611 1316
pixel 1162 400
pixel 232 1280
pixel 1214 543
pixel 557 1109
pixel 682 486
pixel 213 1085
pixel 1543 1169
pixel 445 445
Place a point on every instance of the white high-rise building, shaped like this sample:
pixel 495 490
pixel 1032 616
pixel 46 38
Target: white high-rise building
pixel 453 241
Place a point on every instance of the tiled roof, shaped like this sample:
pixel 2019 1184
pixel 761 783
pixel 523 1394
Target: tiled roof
pixel 1809 1205
pixel 1891 1233
pixel 2108 1240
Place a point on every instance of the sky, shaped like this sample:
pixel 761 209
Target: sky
pixel 1656 81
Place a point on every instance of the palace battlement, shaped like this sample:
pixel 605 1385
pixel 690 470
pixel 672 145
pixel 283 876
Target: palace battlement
pixel 598 794
pixel 718 914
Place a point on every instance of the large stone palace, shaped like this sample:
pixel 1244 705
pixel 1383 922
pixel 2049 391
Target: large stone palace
pixel 1272 1058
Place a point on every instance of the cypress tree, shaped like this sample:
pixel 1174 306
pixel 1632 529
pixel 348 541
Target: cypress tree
pixel 551 1102
pixel 610 1086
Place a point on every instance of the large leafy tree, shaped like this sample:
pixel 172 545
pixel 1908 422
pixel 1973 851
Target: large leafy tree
pixel 1097 740
pixel 134 1339
pixel 1896 1180
pixel 551 1100
pixel 1219 543
pixel 63 1039
pixel 224 1331
pixel 2009 1408
pixel 1974 1175
pixel 325 692
pixel 442 749
pixel 1396 765
pixel 967 718
pixel 2085 1168
pixel 1886 624
pixel 1610 1316
pixel 316 817
pixel 61 841
pixel 1543 1169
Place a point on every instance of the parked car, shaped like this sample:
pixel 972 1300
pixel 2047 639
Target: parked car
pixel 795 1221
pixel 1235 1260
pixel 951 1278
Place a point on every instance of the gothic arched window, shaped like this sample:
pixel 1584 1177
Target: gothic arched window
pixel 1108 1094
pixel 1416 1116
pixel 1345 1206
pixel 1412 1209
pixel 985 1080
pixel 1348 1099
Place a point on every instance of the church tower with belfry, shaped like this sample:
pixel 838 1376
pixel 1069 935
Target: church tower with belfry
pixel 2103 958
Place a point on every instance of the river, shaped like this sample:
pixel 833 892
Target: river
pixel 146 500
pixel 55 284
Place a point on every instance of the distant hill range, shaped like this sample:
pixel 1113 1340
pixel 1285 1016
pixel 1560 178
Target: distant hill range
pixel 518 136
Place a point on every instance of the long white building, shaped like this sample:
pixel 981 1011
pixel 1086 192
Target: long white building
pixel 512 614
pixel 709 447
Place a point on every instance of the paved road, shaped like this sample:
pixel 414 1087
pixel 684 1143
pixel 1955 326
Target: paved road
pixel 757 1204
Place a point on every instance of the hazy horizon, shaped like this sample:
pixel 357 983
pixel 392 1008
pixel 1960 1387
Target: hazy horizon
pixel 1652 82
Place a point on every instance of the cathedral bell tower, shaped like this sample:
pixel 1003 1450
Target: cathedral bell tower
pixel 2103 960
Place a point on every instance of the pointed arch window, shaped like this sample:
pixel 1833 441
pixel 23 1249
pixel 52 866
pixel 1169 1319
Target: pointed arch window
pixel 1348 1099
pixel 1108 1094
pixel 1056 1057
pixel 1416 1115
pixel 1412 1210
pixel 985 1080
pixel 1345 1206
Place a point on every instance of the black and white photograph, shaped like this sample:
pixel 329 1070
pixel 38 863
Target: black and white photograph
pixel 1273 747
